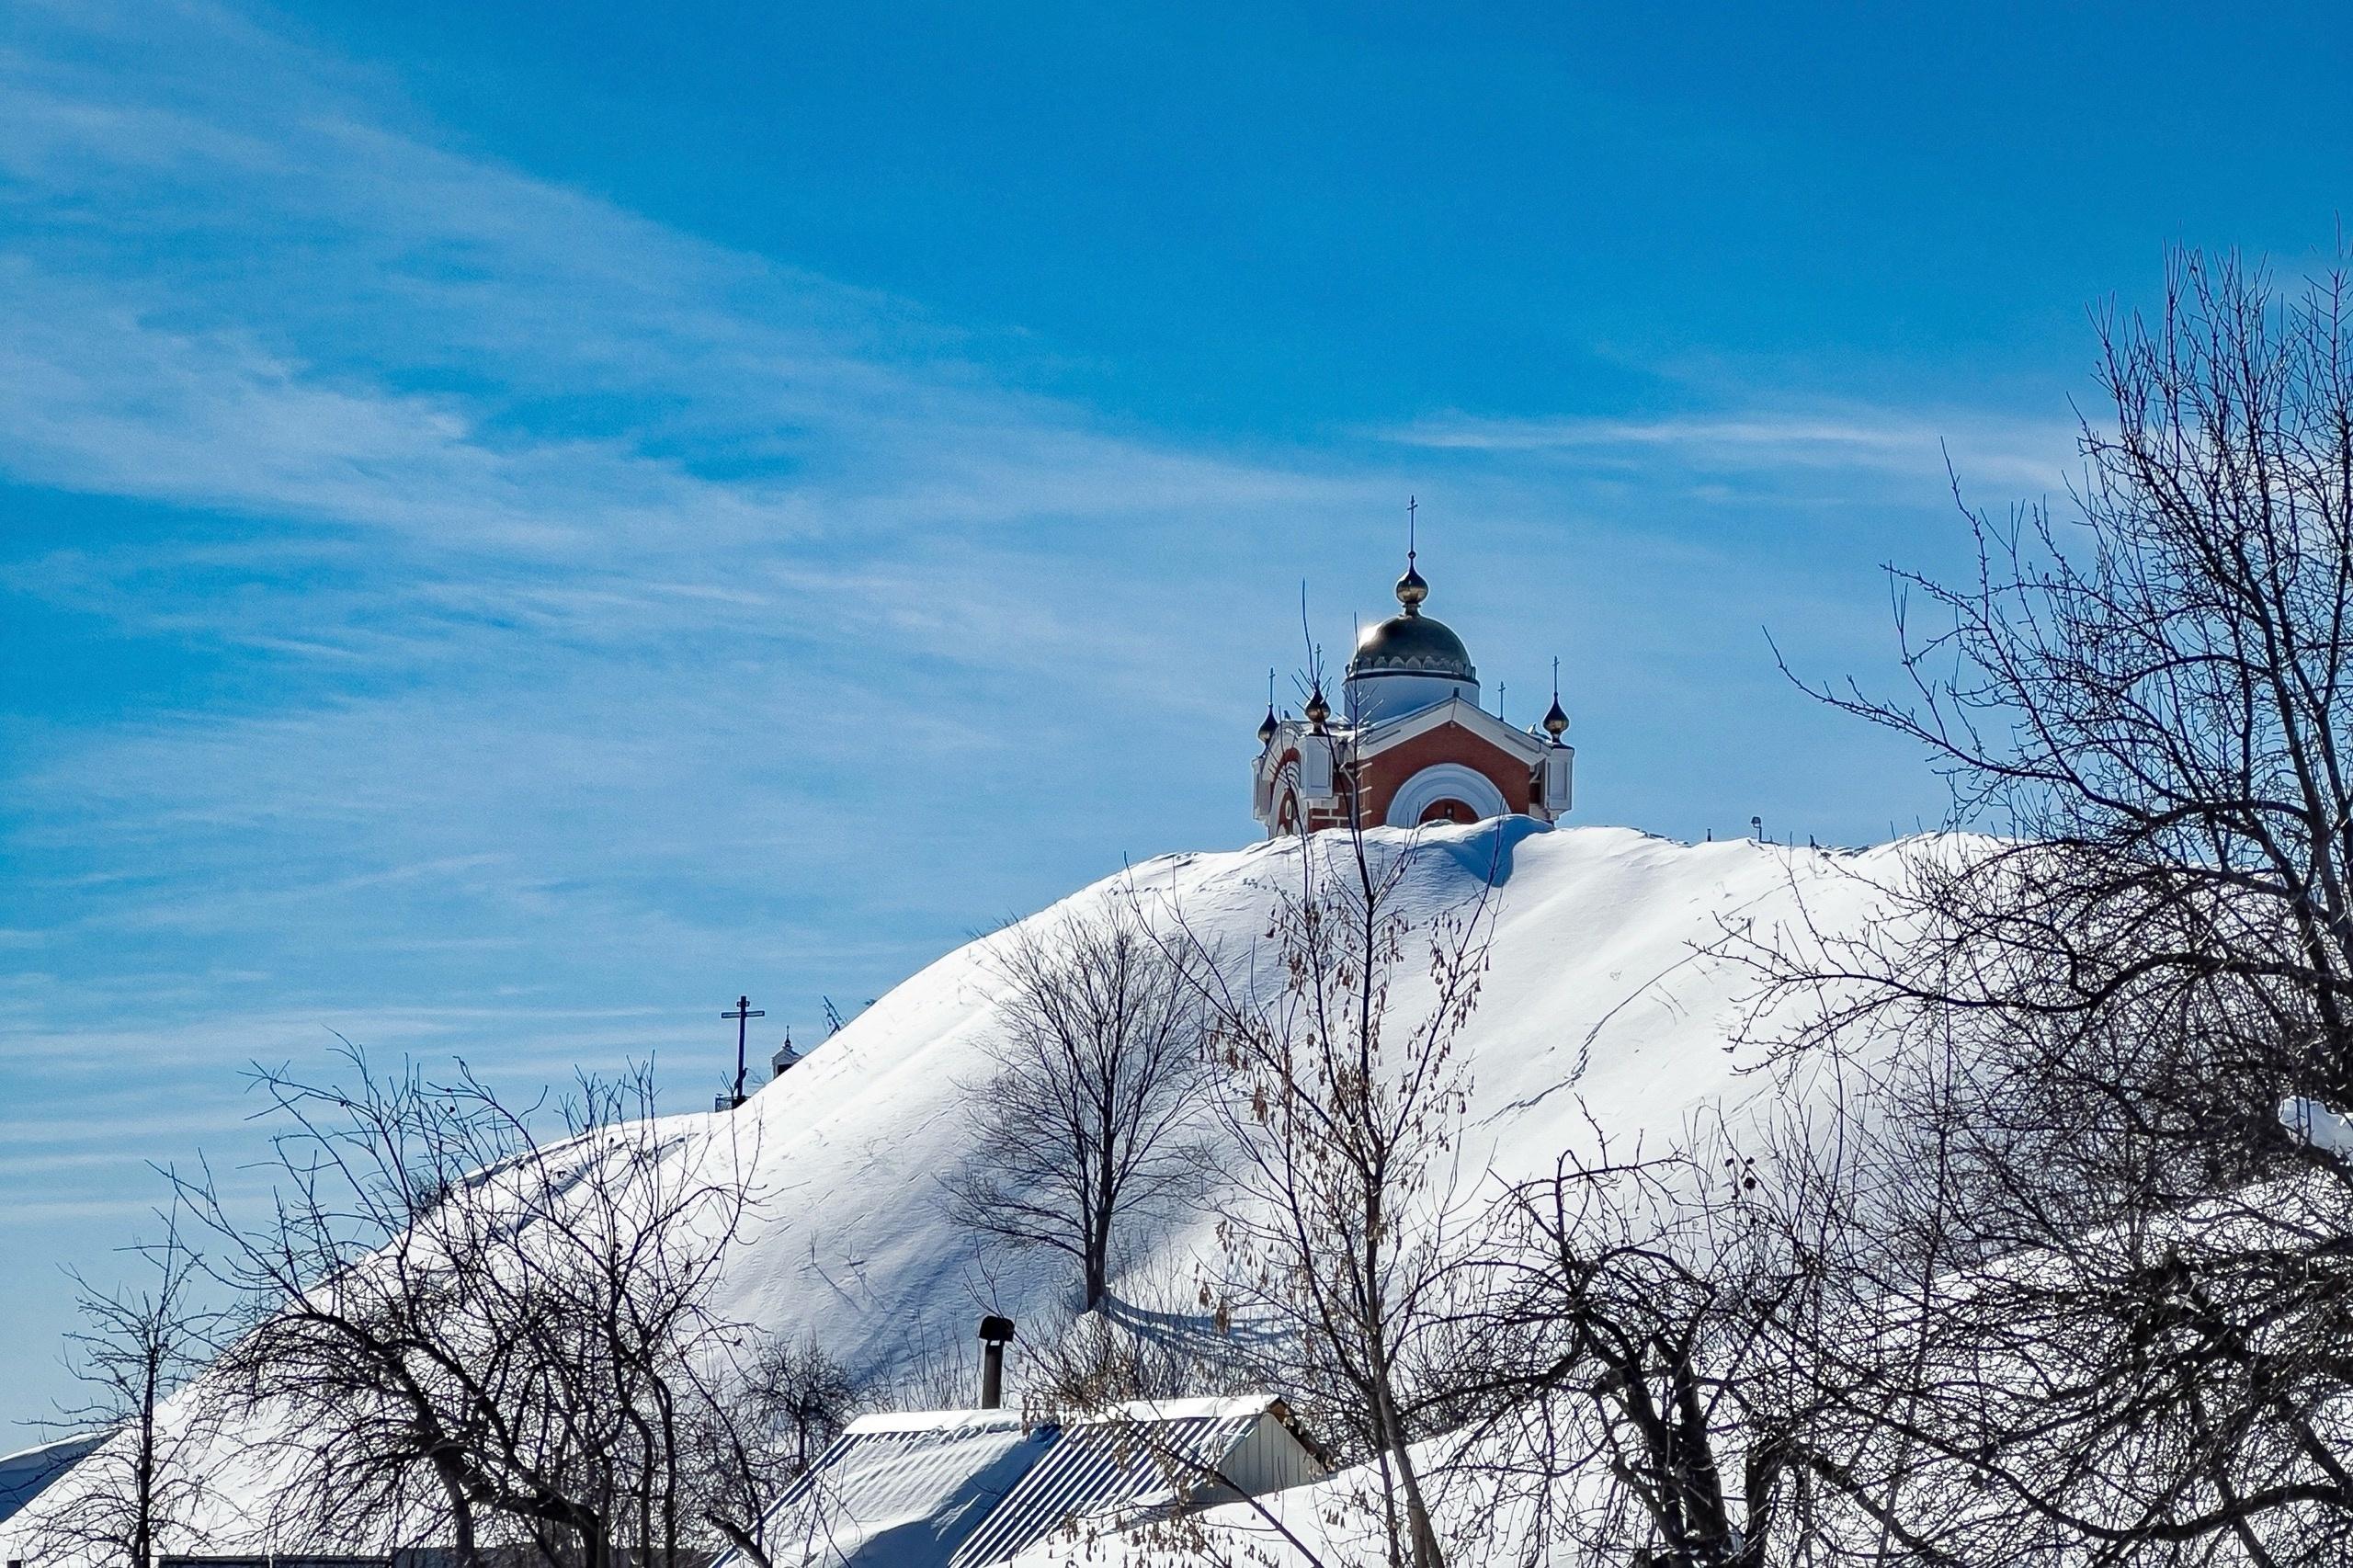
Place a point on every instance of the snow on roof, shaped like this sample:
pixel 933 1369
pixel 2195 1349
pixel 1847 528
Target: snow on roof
pixel 1138 1457
pixel 944 1421
pixel 903 1493
pixel 1217 1405
pixel 24 1473
pixel 966 1488
pixel 1136 1410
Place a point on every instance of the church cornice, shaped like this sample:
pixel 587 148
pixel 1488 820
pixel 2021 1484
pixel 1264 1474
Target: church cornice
pixel 1375 738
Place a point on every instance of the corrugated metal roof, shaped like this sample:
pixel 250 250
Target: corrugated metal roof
pixel 966 1488
pixel 904 1495
pixel 1101 1466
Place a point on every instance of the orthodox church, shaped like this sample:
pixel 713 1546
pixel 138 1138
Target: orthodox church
pixel 1412 744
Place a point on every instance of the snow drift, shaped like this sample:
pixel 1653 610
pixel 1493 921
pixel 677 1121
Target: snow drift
pixel 1603 1008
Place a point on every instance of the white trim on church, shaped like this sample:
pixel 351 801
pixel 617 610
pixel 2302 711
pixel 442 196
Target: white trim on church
pixel 1445 781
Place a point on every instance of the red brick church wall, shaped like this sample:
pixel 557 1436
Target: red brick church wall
pixel 1387 772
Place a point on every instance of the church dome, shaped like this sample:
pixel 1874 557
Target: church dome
pixel 1412 643
pixel 1408 662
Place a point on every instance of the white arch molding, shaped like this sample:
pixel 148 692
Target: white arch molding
pixel 1445 781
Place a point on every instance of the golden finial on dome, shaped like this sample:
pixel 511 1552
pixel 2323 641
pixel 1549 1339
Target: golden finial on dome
pixel 1317 709
pixel 1411 589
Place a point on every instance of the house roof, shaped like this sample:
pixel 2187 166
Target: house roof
pixel 27 1472
pixel 905 1492
pixel 966 1488
pixel 1140 1459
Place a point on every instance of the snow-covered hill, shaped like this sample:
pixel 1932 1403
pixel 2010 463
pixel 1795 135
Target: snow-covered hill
pixel 1599 1003
pixel 1600 1008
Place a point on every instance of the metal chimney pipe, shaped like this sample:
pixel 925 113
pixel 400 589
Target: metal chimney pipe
pixel 994 1332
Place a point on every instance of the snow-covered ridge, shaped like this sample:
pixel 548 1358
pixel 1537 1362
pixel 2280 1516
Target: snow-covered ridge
pixel 1601 1001
pixel 1602 1007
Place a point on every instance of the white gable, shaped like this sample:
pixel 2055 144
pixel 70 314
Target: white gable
pixel 1374 739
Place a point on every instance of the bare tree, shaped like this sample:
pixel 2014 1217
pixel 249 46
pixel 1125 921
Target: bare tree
pixel 470 1324
pixel 2129 1017
pixel 1625 1334
pixel 1346 1110
pixel 1090 1120
pixel 760 1421
pixel 1698 1358
pixel 140 1350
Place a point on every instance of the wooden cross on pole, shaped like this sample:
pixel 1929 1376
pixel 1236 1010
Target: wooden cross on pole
pixel 743 1015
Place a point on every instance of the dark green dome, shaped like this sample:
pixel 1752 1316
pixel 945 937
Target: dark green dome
pixel 1410 644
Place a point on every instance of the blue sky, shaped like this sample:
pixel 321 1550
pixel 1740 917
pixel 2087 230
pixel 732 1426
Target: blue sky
pixel 518 523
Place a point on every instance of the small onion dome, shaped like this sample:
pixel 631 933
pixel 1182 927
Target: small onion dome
pixel 1411 589
pixel 1317 709
pixel 1555 720
pixel 1267 727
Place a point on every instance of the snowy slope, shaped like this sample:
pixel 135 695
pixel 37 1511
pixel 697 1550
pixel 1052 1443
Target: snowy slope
pixel 1598 1004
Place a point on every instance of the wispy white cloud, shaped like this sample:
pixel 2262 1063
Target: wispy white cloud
pixel 560 523
pixel 1908 445
pixel 568 620
pixel 285 309
pixel 588 590
pixel 577 523
pixel 550 522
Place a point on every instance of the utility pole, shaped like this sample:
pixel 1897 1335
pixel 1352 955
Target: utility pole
pixel 743 1015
